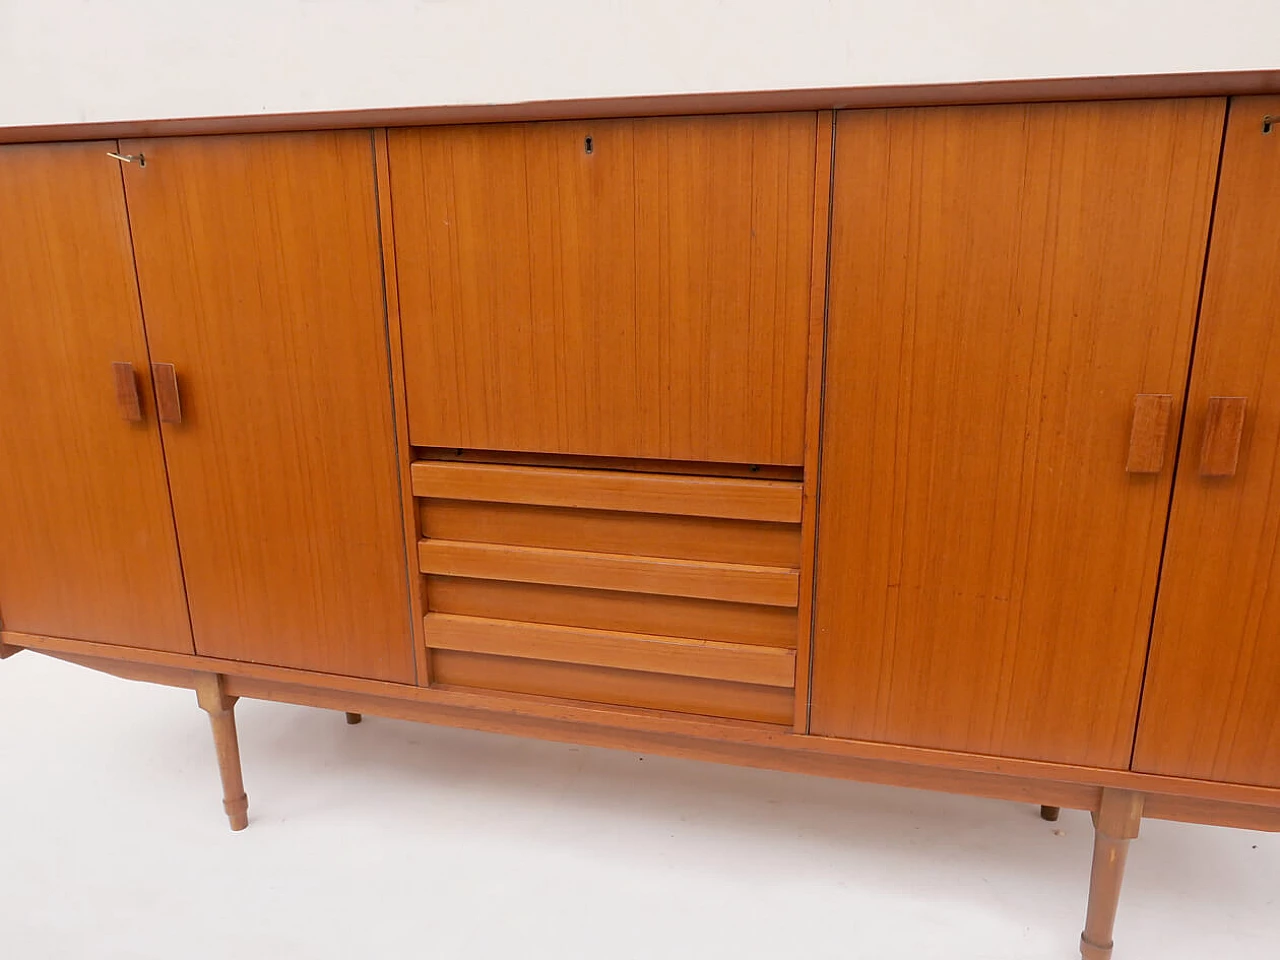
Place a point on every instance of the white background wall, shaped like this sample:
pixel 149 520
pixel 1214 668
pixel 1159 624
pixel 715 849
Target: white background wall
pixel 76 60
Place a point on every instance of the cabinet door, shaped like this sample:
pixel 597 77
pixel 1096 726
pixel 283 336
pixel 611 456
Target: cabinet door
pixel 1211 706
pixel 1005 281
pixel 87 547
pixel 259 264
pixel 632 288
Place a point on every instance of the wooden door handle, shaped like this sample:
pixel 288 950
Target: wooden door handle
pixel 1150 432
pixel 127 391
pixel 168 403
pixel 1223 428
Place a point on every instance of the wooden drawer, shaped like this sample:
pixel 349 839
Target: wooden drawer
pixel 637 589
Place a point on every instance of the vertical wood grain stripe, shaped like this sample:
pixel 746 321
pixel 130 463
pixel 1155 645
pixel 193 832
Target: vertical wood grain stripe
pixel 776 500
pixel 744 583
pixel 819 270
pixel 404 453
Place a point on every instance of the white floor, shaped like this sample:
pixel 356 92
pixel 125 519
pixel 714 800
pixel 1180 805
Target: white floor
pixel 392 839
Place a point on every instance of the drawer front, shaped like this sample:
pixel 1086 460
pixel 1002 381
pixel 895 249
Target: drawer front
pixel 667 592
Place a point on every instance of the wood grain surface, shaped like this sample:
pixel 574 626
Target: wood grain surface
pixel 646 296
pixel 1005 280
pixel 680 656
pixel 1211 706
pixel 739 582
pixel 609 531
pixel 615 610
pixel 542 580
pixel 627 688
pixel 819 275
pixel 87 547
pixel 258 259
pixel 743 499
pixel 404 454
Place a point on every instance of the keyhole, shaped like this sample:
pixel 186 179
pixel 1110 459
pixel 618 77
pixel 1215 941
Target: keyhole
pixel 587 145
pixel 1267 123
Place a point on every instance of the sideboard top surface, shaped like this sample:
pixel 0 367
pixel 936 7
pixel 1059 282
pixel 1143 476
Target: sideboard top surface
pixel 1221 83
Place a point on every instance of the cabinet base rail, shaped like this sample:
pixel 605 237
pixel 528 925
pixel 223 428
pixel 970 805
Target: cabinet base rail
pixel 1116 811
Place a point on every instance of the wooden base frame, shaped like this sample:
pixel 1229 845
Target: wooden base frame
pixel 739 742
pixel 1117 800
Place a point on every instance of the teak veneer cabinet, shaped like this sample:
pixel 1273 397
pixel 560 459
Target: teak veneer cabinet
pixel 932 444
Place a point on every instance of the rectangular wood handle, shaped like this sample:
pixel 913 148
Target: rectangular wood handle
pixel 168 403
pixel 1223 428
pixel 1150 432
pixel 127 391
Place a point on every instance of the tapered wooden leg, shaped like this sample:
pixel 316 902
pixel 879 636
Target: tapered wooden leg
pixel 1114 825
pixel 1049 813
pixel 353 717
pixel 214 700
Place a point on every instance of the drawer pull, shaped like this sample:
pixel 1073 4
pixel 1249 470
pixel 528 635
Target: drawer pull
pixel 1150 432
pixel 127 391
pixel 1223 428
pixel 168 402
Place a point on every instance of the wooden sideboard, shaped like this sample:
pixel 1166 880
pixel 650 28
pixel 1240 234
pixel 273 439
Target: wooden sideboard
pixel 928 441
